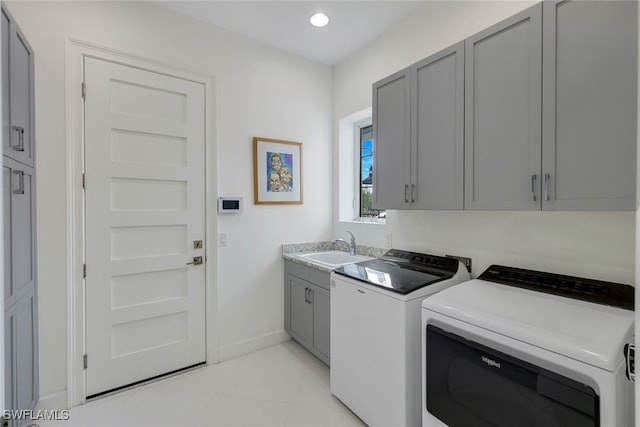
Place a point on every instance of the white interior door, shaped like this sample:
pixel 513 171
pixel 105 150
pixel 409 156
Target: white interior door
pixel 145 209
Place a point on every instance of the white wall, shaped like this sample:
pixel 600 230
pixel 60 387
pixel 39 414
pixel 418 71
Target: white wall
pixel 588 244
pixel 261 91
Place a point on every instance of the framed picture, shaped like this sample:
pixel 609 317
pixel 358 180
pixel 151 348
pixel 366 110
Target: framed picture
pixel 277 171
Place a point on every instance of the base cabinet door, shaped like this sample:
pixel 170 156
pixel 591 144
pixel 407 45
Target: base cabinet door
pixel 321 320
pixel 21 348
pixel 307 308
pixel 301 311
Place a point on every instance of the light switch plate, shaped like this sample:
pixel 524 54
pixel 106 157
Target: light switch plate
pixel 223 238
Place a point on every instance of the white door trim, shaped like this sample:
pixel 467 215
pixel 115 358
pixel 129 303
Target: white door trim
pixel 75 51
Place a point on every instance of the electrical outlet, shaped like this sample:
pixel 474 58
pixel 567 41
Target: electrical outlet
pixel 222 239
pixel 388 240
pixel 466 261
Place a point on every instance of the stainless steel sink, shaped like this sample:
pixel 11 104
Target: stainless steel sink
pixel 333 258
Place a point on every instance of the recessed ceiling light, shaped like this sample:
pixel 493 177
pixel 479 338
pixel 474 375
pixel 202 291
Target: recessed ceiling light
pixel 319 20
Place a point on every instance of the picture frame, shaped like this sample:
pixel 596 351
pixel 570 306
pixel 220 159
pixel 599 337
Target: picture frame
pixel 277 172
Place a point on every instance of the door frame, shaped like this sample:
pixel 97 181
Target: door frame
pixel 75 51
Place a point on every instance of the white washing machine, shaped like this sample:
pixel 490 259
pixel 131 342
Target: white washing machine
pixel 376 335
pixel 525 348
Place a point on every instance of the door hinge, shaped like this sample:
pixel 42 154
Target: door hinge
pixel 84 271
pixel 84 90
pixel 85 361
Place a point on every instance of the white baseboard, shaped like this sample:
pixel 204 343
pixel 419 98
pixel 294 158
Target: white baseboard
pixel 253 344
pixel 57 400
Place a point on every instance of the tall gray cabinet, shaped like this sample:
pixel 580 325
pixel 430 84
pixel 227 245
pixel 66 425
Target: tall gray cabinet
pixel 18 177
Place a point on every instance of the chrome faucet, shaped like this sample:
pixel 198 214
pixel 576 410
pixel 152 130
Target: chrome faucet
pixel 351 246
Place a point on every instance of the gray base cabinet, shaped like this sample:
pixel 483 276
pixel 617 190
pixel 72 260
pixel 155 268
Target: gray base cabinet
pixel 19 225
pixel 307 308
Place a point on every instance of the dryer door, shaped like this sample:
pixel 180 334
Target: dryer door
pixel 469 384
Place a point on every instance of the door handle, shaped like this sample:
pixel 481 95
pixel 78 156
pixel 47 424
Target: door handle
pixel 547 177
pixel 406 198
pixel 197 260
pixel 19 132
pixel 534 178
pixel 19 178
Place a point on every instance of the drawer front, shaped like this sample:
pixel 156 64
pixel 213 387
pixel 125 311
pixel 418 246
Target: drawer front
pixel 319 278
pixel 297 269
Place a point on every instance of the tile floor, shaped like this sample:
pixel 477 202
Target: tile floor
pixel 278 386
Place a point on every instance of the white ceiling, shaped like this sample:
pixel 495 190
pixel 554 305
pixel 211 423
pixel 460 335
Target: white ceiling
pixel 285 24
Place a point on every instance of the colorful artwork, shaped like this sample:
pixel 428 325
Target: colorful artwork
pixel 279 172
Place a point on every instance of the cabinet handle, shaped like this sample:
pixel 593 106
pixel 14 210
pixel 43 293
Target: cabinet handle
pixel 546 186
pixel 310 294
pixel 413 186
pixel 406 199
pixel 19 132
pixel 19 175
pixel 306 298
pixel 534 178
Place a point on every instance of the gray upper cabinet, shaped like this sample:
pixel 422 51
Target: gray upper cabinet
pixel 589 105
pixel 503 114
pixel 418 134
pixel 17 80
pixel 437 131
pixel 392 141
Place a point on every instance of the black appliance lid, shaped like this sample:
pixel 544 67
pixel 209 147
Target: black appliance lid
pixel 596 291
pixel 401 271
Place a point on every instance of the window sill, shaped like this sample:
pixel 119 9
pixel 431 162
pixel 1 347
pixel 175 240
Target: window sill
pixel 382 221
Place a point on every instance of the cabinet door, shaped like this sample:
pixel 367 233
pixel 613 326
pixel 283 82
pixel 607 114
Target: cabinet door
pixel 9 359
pixel 6 219
pixel 392 142
pixel 301 311
pixel 502 114
pixel 589 99
pixel 20 139
pixel 19 229
pixel 438 130
pixel 26 352
pixel 20 221
pixel 6 106
pixel 321 322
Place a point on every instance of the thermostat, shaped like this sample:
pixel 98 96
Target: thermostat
pixel 229 204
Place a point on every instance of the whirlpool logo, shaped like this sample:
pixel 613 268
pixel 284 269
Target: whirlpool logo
pixel 491 362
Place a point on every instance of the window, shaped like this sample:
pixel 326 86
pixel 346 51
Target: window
pixel 366 174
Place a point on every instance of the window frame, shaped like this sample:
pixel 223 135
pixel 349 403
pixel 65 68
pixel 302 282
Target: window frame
pixel 357 205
